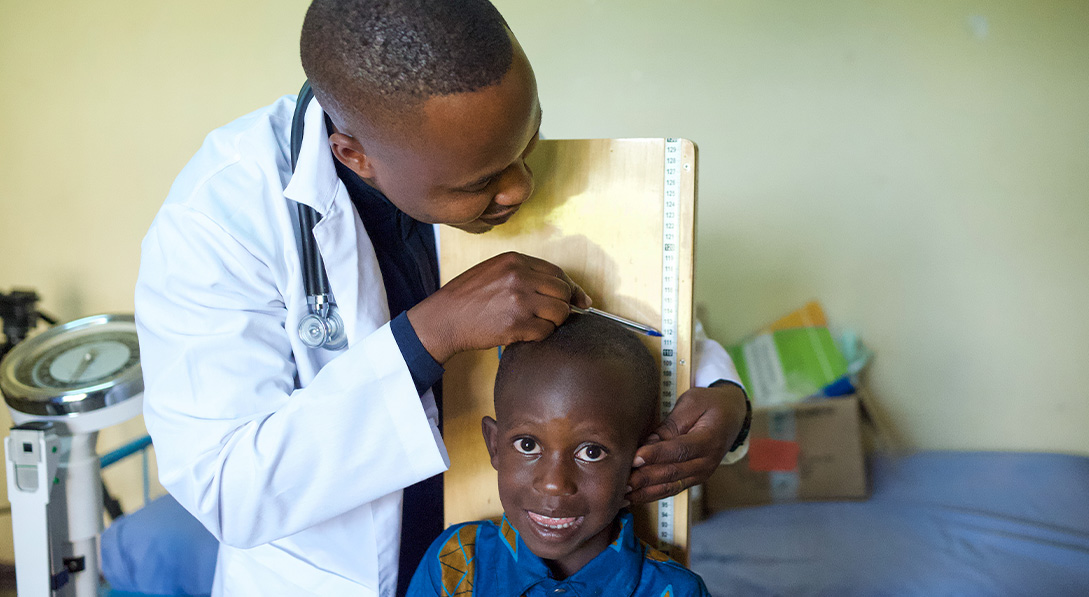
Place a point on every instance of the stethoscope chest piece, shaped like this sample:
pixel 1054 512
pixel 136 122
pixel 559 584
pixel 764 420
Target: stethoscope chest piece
pixel 326 332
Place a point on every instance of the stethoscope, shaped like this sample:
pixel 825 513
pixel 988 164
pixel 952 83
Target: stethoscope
pixel 322 327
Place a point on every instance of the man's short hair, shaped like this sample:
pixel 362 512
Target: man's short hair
pixel 591 339
pixel 380 58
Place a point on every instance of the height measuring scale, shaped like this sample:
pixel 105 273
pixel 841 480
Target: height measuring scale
pixel 667 511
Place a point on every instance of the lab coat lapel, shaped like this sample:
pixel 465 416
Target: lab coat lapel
pixel 353 270
pixel 350 261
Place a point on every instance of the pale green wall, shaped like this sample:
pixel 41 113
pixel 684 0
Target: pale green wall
pixel 922 168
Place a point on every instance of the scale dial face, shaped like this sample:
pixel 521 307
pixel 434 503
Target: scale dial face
pixel 81 362
pixel 79 366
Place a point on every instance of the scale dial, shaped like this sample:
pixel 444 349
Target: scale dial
pixel 77 367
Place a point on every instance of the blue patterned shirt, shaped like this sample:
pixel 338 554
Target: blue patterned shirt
pixel 484 559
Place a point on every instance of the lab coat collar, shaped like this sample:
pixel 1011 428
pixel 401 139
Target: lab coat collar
pixel 349 257
pixel 315 181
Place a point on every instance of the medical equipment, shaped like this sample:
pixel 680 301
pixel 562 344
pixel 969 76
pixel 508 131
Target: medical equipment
pixel 61 387
pixel 20 314
pixel 638 328
pixel 322 327
pixel 675 156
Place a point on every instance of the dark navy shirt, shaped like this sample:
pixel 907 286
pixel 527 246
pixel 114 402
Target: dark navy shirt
pixel 484 559
pixel 406 256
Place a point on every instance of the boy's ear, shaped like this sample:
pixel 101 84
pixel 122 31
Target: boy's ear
pixel 490 430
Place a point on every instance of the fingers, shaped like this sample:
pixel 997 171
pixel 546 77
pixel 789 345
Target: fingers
pixel 654 493
pixel 508 298
pixel 558 284
pixel 688 446
pixel 685 414
pixel 551 295
pixel 667 451
pixel 571 292
pixel 552 290
pixel 578 296
pixel 537 329
pixel 668 467
pixel 654 482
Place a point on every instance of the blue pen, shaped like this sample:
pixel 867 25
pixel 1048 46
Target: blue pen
pixel 631 325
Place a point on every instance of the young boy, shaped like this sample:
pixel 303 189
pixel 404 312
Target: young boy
pixel 570 412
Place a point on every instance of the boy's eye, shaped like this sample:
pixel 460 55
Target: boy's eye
pixel 591 453
pixel 526 445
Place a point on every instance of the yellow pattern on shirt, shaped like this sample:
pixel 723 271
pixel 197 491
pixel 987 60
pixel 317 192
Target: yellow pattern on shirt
pixel 653 554
pixel 457 559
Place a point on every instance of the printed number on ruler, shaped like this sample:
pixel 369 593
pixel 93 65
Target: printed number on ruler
pixel 670 264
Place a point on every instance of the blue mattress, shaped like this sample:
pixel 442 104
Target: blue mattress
pixel 160 549
pixel 938 523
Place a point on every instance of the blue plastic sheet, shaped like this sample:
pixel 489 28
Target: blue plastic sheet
pixel 938 523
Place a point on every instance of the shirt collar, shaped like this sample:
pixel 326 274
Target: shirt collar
pixel 378 213
pixel 615 571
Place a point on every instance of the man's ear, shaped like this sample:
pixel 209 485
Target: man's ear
pixel 490 430
pixel 351 153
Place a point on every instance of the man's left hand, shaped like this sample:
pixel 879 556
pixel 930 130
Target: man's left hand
pixel 688 446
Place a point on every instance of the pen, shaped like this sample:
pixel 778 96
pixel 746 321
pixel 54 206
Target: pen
pixel 631 325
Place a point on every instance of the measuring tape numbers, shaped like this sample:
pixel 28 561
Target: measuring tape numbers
pixel 671 263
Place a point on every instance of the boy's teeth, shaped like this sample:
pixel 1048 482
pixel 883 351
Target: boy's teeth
pixel 552 523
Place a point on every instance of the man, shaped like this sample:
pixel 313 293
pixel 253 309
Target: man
pixel 295 458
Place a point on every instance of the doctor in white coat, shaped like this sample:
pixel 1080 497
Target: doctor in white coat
pixel 295 458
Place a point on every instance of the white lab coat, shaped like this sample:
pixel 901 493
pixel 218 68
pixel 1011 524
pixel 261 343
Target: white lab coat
pixel 294 458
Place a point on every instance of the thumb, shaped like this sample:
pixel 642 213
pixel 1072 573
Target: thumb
pixel 679 421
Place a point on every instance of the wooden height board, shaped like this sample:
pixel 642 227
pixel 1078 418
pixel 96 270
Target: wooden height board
pixel 597 212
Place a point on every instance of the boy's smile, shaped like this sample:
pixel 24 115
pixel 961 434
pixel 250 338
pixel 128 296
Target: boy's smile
pixel 563 446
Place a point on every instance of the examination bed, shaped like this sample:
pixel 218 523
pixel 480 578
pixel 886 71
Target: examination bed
pixel 937 523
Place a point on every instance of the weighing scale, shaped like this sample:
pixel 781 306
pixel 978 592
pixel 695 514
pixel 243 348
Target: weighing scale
pixel 62 386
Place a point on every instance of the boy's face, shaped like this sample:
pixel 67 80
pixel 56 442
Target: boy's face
pixel 563 442
pixel 463 161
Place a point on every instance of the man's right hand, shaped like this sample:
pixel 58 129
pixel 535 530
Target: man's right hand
pixel 508 298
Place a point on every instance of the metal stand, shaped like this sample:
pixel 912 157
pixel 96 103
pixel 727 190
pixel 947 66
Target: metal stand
pixel 56 505
pixel 32 460
pixel 61 387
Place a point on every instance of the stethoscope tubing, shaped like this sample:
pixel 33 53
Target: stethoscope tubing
pixel 315 280
pixel 319 300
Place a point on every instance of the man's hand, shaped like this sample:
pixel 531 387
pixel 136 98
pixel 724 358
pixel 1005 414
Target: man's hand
pixel 508 298
pixel 688 446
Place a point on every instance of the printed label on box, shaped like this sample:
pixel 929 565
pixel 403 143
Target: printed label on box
pixel 768 455
pixel 765 369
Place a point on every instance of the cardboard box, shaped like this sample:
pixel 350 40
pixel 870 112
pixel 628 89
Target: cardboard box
pixel 806 451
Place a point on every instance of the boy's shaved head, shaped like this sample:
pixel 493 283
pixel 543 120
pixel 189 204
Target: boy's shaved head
pixel 588 339
pixel 385 57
